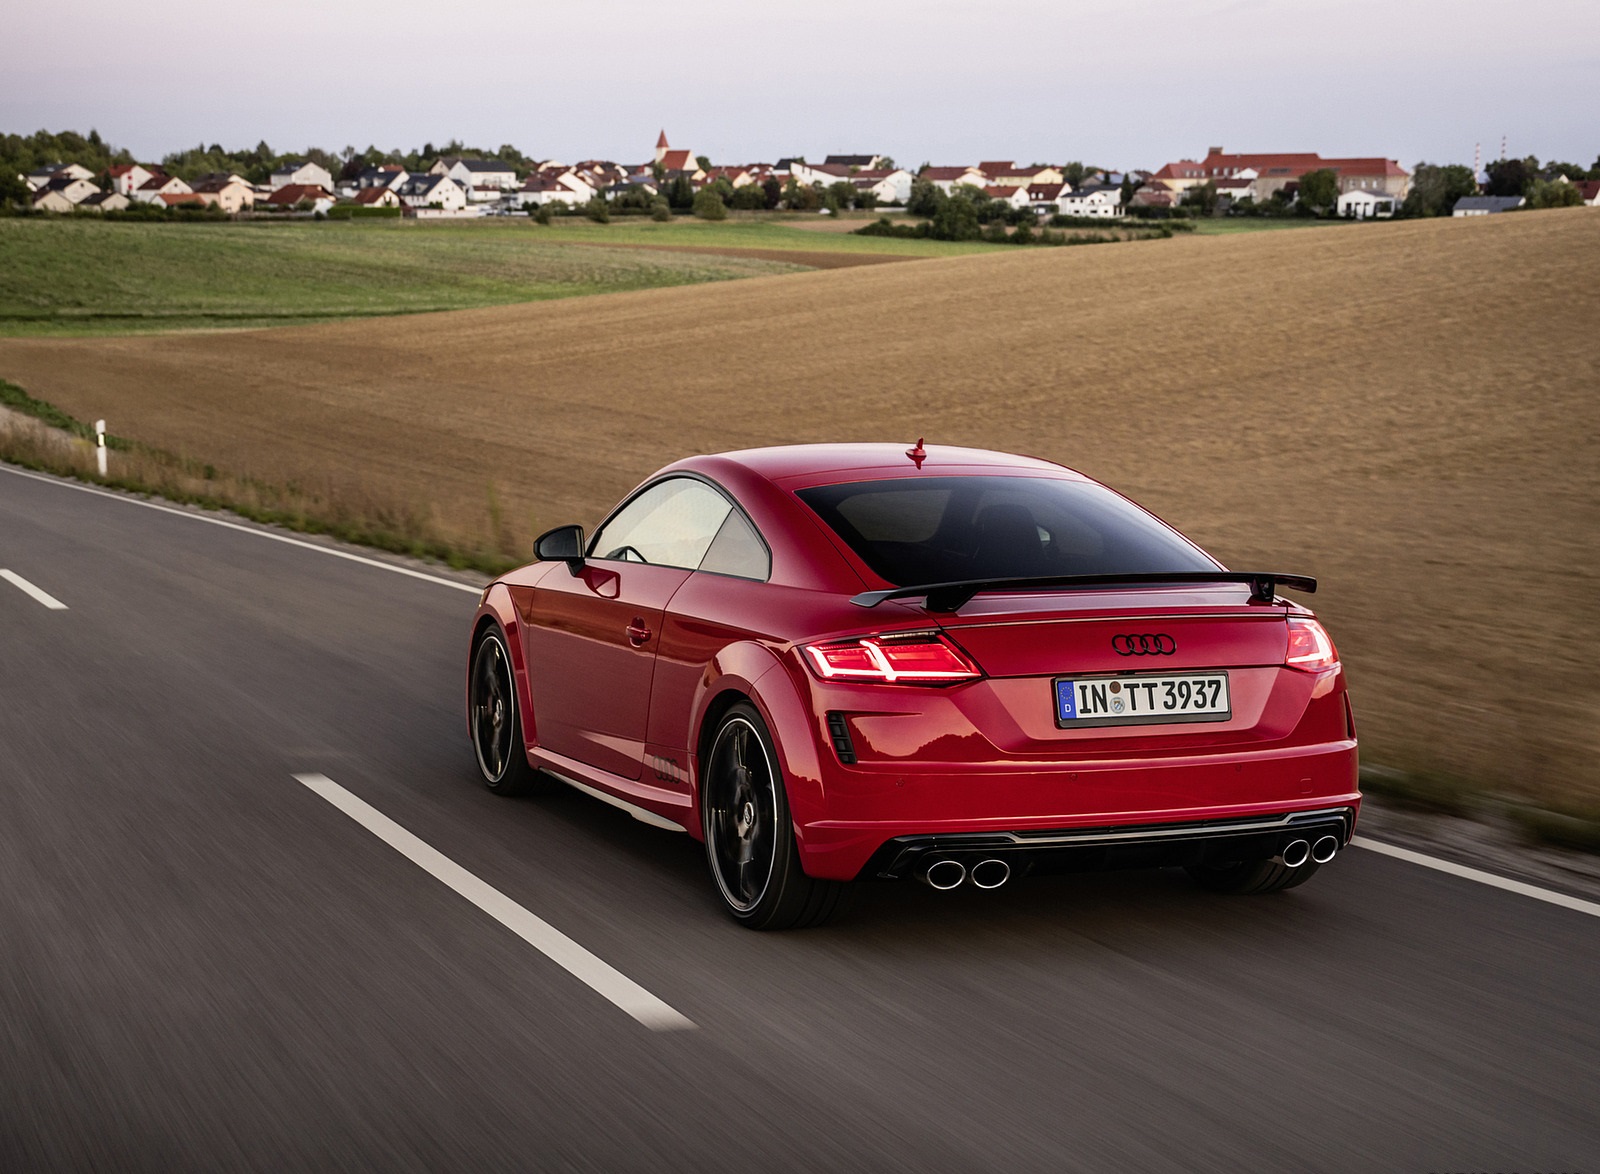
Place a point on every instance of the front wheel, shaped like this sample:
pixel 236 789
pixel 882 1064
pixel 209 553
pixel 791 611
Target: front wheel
pixel 496 724
pixel 749 837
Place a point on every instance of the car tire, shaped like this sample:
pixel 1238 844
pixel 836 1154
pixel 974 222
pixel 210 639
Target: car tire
pixel 494 718
pixel 749 835
pixel 1250 877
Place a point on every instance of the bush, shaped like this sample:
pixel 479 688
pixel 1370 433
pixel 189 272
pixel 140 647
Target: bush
pixel 660 212
pixel 597 210
pixel 708 205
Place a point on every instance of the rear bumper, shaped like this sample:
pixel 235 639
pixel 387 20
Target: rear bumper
pixel 1220 841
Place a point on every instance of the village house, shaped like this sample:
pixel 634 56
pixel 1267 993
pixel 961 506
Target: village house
pixel 127 178
pixel 104 202
pixel 1098 201
pixel 563 187
pixel 40 177
pixel 427 191
pixel 51 199
pixel 291 195
pixel 889 186
pixel 948 178
pixel 1361 204
pixel 484 180
pixel 387 175
pixel 1013 197
pixel 1485 205
pixel 1044 198
pixel 1273 172
pixel 152 189
pixel 1589 189
pixel 302 174
pixel 1005 173
pixel 71 188
pixel 226 191
pixel 376 196
pixel 1154 193
pixel 855 162
pixel 671 162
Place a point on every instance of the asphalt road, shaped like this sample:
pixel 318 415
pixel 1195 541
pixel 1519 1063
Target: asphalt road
pixel 204 965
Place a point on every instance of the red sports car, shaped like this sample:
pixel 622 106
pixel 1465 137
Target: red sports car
pixel 844 662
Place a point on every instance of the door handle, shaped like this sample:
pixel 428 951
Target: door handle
pixel 638 633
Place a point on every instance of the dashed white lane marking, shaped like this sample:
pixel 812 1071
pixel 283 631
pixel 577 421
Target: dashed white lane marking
pixel 1477 874
pixel 227 525
pixel 601 977
pixel 28 588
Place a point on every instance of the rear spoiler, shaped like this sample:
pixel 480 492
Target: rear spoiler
pixel 953 596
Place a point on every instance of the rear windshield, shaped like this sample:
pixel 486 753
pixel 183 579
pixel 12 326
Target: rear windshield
pixel 947 529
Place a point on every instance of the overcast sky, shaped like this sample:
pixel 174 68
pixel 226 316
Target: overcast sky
pixel 1130 84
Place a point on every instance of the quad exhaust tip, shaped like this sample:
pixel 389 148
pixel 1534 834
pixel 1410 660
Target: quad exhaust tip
pixel 1324 849
pixel 990 874
pixel 1295 853
pixel 945 875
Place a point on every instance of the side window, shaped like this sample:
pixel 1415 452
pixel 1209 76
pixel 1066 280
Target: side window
pixel 737 550
pixel 671 524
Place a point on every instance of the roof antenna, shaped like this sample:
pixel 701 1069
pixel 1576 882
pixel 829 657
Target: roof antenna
pixel 918 454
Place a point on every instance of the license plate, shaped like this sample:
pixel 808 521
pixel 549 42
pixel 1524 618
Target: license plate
pixel 1142 699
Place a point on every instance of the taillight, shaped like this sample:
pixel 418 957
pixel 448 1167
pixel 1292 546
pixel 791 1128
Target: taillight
pixel 925 658
pixel 1310 648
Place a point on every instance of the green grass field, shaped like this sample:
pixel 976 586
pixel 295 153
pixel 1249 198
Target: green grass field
pixel 1228 225
pixel 781 234
pixel 86 277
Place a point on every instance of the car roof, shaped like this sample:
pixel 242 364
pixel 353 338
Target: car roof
pixel 796 466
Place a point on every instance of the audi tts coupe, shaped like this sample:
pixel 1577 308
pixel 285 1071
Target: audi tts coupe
pixel 836 663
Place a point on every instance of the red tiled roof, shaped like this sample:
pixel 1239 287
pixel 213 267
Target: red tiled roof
pixel 661 143
pixel 944 173
pixel 1589 189
pixel 171 198
pixel 1217 165
pixel 1045 192
pixel 293 193
pixel 996 166
pixel 679 161
pixel 374 195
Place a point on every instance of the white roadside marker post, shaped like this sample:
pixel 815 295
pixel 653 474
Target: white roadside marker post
pixel 100 445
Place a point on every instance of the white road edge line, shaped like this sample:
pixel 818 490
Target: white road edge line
pixel 28 588
pixel 1477 874
pixel 223 522
pixel 601 977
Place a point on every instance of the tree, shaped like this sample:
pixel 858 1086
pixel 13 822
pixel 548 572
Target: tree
pixel 1543 193
pixel 1319 189
pixel 1202 197
pixel 1571 170
pixel 680 194
pixel 840 194
pixel 1510 177
pixel 956 221
pixel 659 211
pixel 772 190
pixel 597 210
pixel 926 199
pixel 1073 173
pixel 752 197
pixel 1436 188
pixel 801 197
pixel 886 163
pixel 708 205
pixel 704 161
pixel 13 190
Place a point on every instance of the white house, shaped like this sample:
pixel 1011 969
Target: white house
pixel 70 187
pixel 1096 202
pixel 308 174
pixel 423 191
pixel 128 178
pixel 40 177
pixel 1363 204
pixel 151 191
pixel 1014 197
pixel 1045 197
pixel 566 187
pixel 948 178
pixel 891 186
pixel 484 180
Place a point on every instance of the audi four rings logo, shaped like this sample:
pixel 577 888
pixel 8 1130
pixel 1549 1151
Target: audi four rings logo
pixel 1144 644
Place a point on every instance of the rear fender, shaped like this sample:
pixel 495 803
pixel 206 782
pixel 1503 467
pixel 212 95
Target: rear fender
pixel 755 672
pixel 497 608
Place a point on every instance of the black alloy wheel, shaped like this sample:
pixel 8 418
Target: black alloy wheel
pixel 749 837
pixel 496 725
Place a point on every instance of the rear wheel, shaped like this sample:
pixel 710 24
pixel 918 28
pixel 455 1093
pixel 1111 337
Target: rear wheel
pixel 749 836
pixel 1251 876
pixel 496 724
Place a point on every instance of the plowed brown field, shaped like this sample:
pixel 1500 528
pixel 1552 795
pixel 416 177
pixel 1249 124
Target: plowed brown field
pixel 1407 411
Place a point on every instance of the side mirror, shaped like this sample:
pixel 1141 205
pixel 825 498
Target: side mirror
pixel 563 544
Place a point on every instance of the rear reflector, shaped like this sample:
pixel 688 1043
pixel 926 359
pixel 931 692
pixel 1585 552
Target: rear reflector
pixel 1310 648
pixel 922 659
